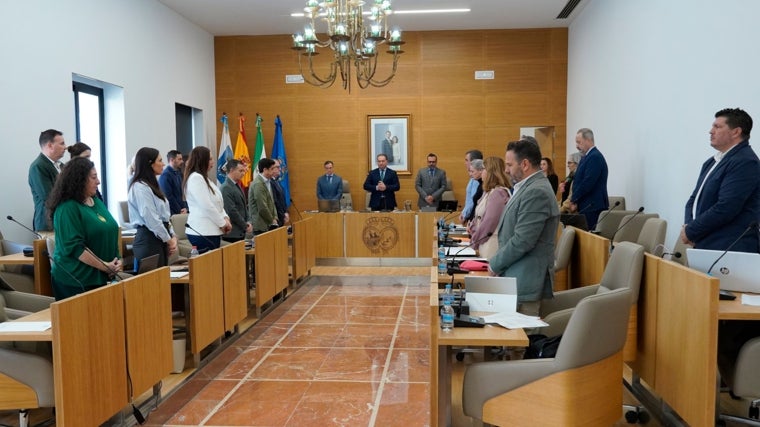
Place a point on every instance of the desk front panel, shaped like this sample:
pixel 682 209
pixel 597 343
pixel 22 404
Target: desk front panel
pixel 206 300
pixel 235 285
pixel 589 258
pixel 379 234
pixel 328 234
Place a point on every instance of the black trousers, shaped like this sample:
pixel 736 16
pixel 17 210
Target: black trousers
pixel 147 244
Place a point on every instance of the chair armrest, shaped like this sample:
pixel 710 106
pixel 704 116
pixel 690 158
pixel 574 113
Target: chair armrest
pixel 10 247
pixel 566 299
pixel 557 322
pixel 22 301
pixel 33 370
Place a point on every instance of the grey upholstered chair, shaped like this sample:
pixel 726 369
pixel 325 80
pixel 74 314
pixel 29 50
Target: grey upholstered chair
pixel 614 199
pixel 183 244
pixel 580 386
pixel 652 236
pixel 346 202
pixel 11 275
pixel 564 249
pixel 609 221
pixel 448 194
pixel 630 227
pixel 743 378
pixel 623 271
pixel 680 248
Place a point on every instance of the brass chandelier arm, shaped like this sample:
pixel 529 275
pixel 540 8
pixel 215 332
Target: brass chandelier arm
pixel 313 79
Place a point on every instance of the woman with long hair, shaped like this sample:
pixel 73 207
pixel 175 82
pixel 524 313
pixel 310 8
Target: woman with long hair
pixel 548 169
pixel 86 235
pixel 488 211
pixel 205 203
pixel 149 209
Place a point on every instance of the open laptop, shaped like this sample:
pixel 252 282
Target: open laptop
pixel 737 271
pixel 491 294
pixel 147 264
pixel 328 205
pixel 447 205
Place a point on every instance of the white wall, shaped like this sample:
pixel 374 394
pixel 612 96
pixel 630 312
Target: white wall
pixel 155 55
pixel 647 77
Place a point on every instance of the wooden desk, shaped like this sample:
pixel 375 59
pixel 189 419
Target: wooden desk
pixel 41 263
pixel 234 284
pixel 16 259
pixel 735 310
pixel 441 344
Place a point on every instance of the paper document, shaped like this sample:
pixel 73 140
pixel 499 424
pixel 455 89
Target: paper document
pixel 451 251
pixel 515 320
pixel 748 299
pixel 24 326
pixel 177 274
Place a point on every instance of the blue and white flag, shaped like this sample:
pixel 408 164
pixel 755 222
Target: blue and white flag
pixel 225 150
pixel 278 152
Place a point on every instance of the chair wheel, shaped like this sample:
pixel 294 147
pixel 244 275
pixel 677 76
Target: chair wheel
pixel 460 356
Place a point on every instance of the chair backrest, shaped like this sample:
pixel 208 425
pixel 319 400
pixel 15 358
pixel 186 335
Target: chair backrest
pixel 613 199
pixel 124 212
pixel 652 236
pixel 178 224
pixel 609 221
pixel 680 247
pixel 448 194
pixel 597 329
pixel 346 187
pixel 631 229
pixel 3 316
pixel 366 200
pixel 624 269
pixel 564 248
pixel 345 200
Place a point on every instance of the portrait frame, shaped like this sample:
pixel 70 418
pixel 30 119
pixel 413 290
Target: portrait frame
pixel 399 126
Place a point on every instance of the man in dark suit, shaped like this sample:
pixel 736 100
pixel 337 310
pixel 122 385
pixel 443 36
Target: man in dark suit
pixel 329 185
pixel 726 198
pixel 170 182
pixel 430 183
pixel 234 201
pixel 42 174
pixel 278 194
pixel 383 183
pixel 527 229
pixel 385 147
pixel 263 214
pixel 590 183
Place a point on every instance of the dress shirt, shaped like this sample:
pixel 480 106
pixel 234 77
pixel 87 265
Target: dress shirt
pixel 521 183
pixel 469 204
pixel 148 210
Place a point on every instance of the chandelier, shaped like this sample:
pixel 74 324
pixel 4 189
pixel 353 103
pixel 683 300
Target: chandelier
pixel 353 44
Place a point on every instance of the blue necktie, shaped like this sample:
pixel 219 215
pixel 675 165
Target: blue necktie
pixel 382 175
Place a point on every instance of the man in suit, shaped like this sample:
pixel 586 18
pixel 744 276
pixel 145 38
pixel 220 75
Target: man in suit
pixel 430 183
pixel 385 147
pixel 726 198
pixel 329 185
pixel 278 195
pixel 42 175
pixel 383 183
pixel 590 183
pixel 170 182
pixel 473 187
pixel 234 201
pixel 527 229
pixel 263 215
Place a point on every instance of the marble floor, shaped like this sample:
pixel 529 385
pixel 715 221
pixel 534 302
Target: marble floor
pixel 350 351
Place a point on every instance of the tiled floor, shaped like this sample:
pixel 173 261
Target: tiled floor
pixel 340 351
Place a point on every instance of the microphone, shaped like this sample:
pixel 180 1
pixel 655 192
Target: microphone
pixel 612 239
pixel 752 226
pixel 451 270
pixel 617 203
pixel 300 218
pixel 36 234
pixel 672 254
pixel 108 267
pixel 209 242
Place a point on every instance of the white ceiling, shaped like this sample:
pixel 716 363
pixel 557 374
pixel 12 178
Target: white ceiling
pixel 266 17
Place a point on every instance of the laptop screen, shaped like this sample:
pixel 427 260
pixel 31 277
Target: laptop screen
pixel 328 205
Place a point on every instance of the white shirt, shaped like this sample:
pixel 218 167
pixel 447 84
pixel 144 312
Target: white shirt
pixel 206 209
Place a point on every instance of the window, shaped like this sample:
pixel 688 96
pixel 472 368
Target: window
pixel 90 129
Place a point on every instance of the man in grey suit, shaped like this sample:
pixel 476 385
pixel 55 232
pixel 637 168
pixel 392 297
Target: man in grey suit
pixel 234 201
pixel 263 214
pixel 430 183
pixel 527 229
pixel 329 185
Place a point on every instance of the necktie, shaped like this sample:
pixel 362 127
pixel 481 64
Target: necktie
pixel 431 172
pixel 329 179
pixel 382 175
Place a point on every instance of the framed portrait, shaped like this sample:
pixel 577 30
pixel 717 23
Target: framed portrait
pixel 390 135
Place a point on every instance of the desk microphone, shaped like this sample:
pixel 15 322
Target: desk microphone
pixel 451 270
pixel 36 234
pixel 675 254
pixel 606 214
pixel 752 226
pixel 211 244
pixel 300 218
pixel 612 239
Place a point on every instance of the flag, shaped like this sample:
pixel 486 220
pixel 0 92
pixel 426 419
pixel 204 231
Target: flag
pixel 241 152
pixel 225 150
pixel 259 152
pixel 278 152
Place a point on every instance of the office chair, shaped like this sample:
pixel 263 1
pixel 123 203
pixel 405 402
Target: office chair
pixel 448 194
pixel 124 214
pixel 564 249
pixel 346 203
pixel 652 236
pixel 613 199
pixel 680 247
pixel 12 275
pixel 580 386
pixel 183 244
pixel 609 221
pixel 631 227
pixel 623 271
pixel 743 379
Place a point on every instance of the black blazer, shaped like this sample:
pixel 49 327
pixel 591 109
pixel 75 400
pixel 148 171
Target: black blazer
pixel 382 200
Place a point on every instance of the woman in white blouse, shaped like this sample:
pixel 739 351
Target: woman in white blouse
pixel 207 221
pixel 149 209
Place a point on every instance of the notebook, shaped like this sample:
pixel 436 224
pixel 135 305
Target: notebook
pixel 737 271
pixel 328 205
pixel 491 294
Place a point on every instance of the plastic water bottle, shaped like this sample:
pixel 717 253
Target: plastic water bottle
pixel 441 260
pixel 448 294
pixel 447 316
pixel 194 252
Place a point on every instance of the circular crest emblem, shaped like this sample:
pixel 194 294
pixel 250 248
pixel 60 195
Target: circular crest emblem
pixel 380 234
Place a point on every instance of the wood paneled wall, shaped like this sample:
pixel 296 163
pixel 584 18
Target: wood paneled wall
pixel 451 111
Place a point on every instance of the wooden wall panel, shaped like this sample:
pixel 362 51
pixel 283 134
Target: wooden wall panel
pixel 451 111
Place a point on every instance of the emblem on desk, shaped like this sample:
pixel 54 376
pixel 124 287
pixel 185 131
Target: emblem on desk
pixel 380 234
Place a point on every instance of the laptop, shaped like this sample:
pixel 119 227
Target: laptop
pixel 328 205
pixel 737 271
pixel 147 264
pixel 491 294
pixel 447 205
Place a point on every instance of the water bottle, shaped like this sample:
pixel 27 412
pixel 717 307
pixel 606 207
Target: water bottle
pixel 448 294
pixel 441 260
pixel 194 252
pixel 447 316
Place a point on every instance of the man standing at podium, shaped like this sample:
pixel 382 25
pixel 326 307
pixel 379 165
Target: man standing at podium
pixel 527 229
pixel 726 198
pixel 383 184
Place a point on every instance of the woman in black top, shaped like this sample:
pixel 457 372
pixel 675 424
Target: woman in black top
pixel 548 169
